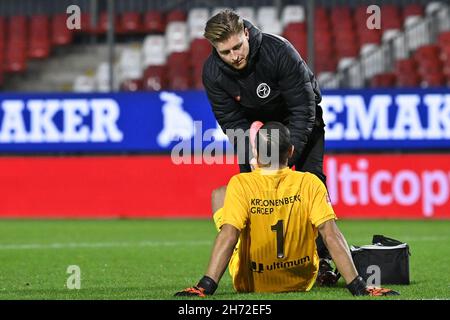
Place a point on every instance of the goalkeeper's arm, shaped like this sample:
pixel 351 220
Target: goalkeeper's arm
pixel 338 248
pixel 223 249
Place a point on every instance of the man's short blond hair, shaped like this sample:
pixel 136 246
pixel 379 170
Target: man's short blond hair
pixel 223 25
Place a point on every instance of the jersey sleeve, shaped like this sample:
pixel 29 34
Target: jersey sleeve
pixel 235 209
pixel 321 209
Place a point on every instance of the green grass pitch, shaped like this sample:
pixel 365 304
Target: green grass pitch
pixel 152 259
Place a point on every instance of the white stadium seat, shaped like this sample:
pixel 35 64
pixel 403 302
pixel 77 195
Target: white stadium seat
pixel 247 13
pixel 292 14
pixel 177 37
pixel 154 51
pixel 197 19
pixel 130 66
pixel 266 15
pixel 216 10
pixel 102 77
pixel 267 18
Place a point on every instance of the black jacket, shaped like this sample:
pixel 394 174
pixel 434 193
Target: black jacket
pixel 294 93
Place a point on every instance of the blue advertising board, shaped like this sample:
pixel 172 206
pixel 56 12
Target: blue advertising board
pixel 158 121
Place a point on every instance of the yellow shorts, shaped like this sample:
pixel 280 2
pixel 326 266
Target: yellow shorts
pixel 233 265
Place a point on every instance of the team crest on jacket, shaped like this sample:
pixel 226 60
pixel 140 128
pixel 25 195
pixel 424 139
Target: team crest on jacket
pixel 263 90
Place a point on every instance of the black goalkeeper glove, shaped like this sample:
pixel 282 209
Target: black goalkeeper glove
pixel 206 286
pixel 358 287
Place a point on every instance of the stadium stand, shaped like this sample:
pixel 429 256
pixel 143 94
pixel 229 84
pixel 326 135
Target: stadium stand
pixel 169 49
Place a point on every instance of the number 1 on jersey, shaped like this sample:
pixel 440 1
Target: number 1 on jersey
pixel 278 228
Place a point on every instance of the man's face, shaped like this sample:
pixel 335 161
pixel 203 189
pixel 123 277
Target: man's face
pixel 235 50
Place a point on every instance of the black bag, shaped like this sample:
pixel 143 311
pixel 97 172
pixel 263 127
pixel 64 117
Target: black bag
pixel 390 255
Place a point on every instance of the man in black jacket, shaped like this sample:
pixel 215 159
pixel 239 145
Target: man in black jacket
pixel 254 76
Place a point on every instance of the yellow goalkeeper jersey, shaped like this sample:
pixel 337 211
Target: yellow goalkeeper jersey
pixel 278 213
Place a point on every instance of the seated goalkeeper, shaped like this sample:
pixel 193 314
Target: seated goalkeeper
pixel 268 226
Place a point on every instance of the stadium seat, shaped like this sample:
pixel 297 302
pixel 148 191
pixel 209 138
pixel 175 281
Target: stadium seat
pixel 179 82
pixel 153 22
pixel 154 78
pixel 410 80
pixel 61 35
pixel 102 25
pixel 102 77
pixel 132 85
pixel 444 39
pixel 405 66
pixel 247 13
pixel 433 7
pixel 154 51
pixel 427 52
pixel 216 10
pixel 391 17
pixel 369 36
pixel 177 37
pixel 199 52
pixel 196 21
pixel 86 23
pixel 413 9
pixel 39 37
pixel 131 22
pixel 16 45
pixel 130 65
pixel 383 80
pixel 434 80
pixel 84 83
pixel 268 21
pixel 176 16
pixel 292 14
pixel 445 54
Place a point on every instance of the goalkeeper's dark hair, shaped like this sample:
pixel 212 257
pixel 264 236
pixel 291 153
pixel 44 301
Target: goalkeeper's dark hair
pixel 273 142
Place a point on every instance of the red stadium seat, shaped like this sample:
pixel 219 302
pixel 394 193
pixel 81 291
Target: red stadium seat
pixel 405 66
pixel 427 52
pixel 132 85
pixel 444 39
pixel 178 60
pixel 102 24
pixel 86 24
pixel 320 13
pixel 390 17
pixel 383 80
pixel 199 52
pixel 39 47
pixel 154 22
pixel 176 15
pixel 179 82
pixel 413 9
pixel 367 36
pixel 155 78
pixel 131 22
pixel 16 45
pixel 434 80
pixel 340 16
pixel 428 66
pixel 409 80
pixel 2 32
pixel 295 28
pixel 445 54
pixel 16 59
pixel 61 35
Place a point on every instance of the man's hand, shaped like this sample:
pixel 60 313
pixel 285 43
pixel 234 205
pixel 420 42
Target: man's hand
pixel 205 286
pixel 376 292
pixel 358 287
